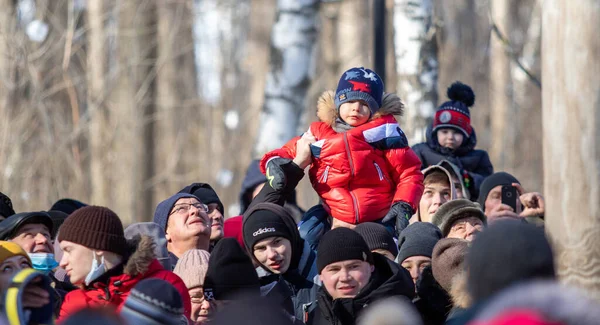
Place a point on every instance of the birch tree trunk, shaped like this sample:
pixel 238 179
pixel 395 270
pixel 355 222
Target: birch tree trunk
pixel 98 13
pixel 571 134
pixel 416 65
pixel 132 107
pixel 292 42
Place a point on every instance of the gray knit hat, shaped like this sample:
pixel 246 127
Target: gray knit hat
pixel 418 239
pixel 454 210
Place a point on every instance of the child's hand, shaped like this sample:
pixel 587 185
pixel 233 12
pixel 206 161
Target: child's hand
pixel 303 155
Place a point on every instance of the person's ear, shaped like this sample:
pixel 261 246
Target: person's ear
pixel 372 268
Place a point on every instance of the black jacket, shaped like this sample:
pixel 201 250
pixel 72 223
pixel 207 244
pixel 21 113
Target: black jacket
pixel 474 161
pixel 388 280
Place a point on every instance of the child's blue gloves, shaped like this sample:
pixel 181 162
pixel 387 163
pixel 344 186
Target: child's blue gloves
pixel 275 174
pixel 401 212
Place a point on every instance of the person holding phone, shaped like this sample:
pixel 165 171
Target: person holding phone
pixel 503 196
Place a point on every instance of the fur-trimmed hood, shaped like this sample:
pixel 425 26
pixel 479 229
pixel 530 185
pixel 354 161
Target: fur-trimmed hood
pixel 458 291
pixel 141 249
pixel 327 112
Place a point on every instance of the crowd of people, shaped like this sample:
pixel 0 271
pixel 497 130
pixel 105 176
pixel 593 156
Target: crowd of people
pixel 420 235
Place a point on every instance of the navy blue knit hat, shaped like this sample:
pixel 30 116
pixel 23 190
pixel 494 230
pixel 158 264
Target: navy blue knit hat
pixel 154 301
pixel 418 239
pixel 360 84
pixel 161 214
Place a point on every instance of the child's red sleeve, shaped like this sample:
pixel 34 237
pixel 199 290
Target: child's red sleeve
pixel 287 151
pixel 405 169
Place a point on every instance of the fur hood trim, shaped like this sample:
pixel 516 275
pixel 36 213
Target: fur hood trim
pixel 458 291
pixel 141 250
pixel 327 112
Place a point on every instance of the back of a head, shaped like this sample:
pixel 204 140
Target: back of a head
pixel 230 272
pixel 13 304
pixel 67 206
pixel 555 302
pixel 6 207
pixel 508 252
pixel 377 237
pixel 192 267
pixel 391 311
pixel 157 233
pixel 153 302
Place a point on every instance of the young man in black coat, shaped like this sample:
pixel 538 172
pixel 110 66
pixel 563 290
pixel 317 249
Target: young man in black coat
pixel 354 278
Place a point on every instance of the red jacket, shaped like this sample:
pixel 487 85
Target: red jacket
pixel 114 289
pixel 359 173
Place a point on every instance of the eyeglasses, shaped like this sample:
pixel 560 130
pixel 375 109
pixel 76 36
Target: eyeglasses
pixel 185 207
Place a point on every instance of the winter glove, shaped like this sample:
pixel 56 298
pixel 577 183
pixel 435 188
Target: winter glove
pixel 275 174
pixel 401 212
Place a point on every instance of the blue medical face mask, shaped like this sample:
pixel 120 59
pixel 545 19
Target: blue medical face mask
pixel 97 269
pixel 43 262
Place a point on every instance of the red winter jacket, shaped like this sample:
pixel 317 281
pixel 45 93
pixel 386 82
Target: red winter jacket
pixel 359 173
pixel 113 289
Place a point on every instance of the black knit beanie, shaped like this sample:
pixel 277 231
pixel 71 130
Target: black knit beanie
pixel 153 301
pixel 95 227
pixel 418 239
pixel 488 184
pixel 508 252
pixel 230 273
pixel 342 244
pixel 205 193
pixel 265 220
pixel 377 237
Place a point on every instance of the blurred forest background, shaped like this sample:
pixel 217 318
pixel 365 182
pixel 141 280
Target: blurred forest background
pixel 124 102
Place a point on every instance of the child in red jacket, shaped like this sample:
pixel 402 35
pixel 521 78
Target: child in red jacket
pixel 362 166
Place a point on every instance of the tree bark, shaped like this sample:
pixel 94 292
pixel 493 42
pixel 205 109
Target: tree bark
pixel 132 103
pixel 177 115
pixel 292 47
pixel 97 73
pixel 463 52
pixel 416 65
pixel 514 99
pixel 571 135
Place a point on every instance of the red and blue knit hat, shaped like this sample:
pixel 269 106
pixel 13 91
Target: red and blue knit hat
pixel 360 84
pixel 455 112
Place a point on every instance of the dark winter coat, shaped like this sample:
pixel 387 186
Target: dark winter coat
pixel 474 161
pixel 113 287
pixel 296 290
pixel 433 302
pixel 388 280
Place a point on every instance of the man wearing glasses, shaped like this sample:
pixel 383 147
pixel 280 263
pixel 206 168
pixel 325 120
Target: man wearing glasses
pixel 186 223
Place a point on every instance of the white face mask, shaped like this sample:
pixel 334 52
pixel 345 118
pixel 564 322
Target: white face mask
pixel 97 269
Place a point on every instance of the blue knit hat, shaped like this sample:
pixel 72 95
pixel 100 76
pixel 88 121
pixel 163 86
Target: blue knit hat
pixel 161 214
pixel 360 84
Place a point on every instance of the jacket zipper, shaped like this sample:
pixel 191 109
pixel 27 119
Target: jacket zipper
pixel 354 202
pixel 378 171
pixel 324 176
pixel 305 309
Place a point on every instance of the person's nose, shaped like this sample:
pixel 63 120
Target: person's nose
pixel 41 239
pixel 414 273
pixel 272 253
pixel 470 230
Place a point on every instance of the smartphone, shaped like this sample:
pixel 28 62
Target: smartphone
pixel 510 196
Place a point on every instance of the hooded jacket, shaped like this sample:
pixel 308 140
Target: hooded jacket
pixel 113 287
pixel 297 288
pixel 387 280
pixel 474 161
pixel 359 173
